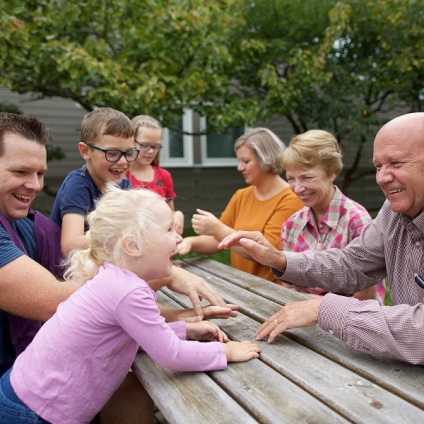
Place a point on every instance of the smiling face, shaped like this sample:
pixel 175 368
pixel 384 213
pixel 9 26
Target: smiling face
pixel 313 186
pixel 249 165
pixel 399 161
pixel 102 171
pixel 22 169
pixel 151 137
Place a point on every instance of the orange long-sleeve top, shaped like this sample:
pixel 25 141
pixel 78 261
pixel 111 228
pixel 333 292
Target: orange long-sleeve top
pixel 245 212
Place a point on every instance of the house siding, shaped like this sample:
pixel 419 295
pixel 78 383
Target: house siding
pixel 208 188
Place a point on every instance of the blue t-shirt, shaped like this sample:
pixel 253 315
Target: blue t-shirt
pixel 77 194
pixel 24 228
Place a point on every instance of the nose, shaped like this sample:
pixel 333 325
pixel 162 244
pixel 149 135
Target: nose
pixel 384 176
pixel 35 182
pixel 240 166
pixel 123 159
pixel 297 187
pixel 179 238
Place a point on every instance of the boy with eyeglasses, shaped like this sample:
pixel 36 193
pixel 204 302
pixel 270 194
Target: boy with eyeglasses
pixel 107 146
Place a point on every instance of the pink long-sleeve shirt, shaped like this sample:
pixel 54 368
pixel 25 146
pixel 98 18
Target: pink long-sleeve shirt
pixel 83 353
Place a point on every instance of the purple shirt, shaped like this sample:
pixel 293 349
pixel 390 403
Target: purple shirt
pixel 82 354
pixel 393 246
pixel 342 222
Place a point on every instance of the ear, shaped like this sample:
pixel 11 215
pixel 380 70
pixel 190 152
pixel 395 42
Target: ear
pixel 131 247
pixel 84 150
pixel 333 177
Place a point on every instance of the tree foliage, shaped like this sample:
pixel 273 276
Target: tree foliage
pixel 321 63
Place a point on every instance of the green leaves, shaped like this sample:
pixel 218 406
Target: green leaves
pixel 335 65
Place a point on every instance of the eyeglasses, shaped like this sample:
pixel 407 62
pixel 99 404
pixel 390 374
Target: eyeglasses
pixel 146 146
pixel 113 155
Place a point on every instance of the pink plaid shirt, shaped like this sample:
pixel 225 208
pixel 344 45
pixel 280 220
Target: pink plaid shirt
pixel 342 222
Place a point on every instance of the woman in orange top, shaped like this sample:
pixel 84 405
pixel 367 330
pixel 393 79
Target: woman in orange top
pixel 263 206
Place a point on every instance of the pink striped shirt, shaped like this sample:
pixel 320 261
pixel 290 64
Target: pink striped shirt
pixel 342 222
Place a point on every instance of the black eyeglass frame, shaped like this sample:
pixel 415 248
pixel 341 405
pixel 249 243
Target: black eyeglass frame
pixel 147 146
pixel 121 152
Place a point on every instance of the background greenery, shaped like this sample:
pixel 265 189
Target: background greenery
pixel 335 65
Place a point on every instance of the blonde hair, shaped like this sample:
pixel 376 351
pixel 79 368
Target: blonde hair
pixel 266 146
pixel 105 121
pixel 313 148
pixel 146 121
pixel 119 214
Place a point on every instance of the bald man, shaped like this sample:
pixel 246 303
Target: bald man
pixel 391 246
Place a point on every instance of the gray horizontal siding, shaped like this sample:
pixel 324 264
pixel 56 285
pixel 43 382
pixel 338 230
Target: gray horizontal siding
pixel 204 188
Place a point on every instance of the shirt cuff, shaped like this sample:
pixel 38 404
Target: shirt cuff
pixel 333 313
pixel 293 268
pixel 179 328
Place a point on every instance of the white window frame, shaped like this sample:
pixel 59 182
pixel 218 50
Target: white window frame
pixel 207 161
pixel 187 159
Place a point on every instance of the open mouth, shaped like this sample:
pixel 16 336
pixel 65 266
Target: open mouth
pixel 117 172
pixel 398 190
pixel 22 198
pixel 306 197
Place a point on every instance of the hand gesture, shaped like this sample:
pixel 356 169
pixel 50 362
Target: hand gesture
pixel 293 315
pixel 205 223
pixel 179 222
pixel 205 331
pixel 257 246
pixel 209 312
pixel 184 247
pixel 241 351
pixel 195 287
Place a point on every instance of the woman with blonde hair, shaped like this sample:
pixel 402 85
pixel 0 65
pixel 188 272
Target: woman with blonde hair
pixel 329 219
pixel 263 206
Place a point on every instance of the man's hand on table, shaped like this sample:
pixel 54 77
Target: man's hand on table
pixel 292 315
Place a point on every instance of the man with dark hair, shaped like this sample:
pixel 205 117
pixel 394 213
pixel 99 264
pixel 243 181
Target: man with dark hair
pixel 30 247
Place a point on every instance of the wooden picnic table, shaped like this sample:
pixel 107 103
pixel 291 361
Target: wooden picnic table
pixel 305 376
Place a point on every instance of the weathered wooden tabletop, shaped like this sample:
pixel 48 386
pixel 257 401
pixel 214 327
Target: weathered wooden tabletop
pixel 305 376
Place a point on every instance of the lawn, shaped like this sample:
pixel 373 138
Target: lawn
pixel 222 256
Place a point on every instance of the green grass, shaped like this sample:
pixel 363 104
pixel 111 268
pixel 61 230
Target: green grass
pixel 223 256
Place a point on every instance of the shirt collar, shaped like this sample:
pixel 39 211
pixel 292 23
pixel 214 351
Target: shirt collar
pixel 331 216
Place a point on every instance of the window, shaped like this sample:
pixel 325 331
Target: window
pixel 178 147
pixel 181 149
pixel 218 149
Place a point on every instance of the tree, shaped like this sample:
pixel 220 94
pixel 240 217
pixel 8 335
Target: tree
pixel 372 54
pixel 333 65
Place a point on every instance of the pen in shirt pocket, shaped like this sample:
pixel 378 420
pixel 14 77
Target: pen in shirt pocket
pixel 419 280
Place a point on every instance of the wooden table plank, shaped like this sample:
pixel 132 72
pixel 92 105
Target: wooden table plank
pixel 262 397
pixel 302 370
pixel 402 379
pixel 169 389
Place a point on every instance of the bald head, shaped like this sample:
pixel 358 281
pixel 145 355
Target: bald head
pixel 399 160
pixel 409 127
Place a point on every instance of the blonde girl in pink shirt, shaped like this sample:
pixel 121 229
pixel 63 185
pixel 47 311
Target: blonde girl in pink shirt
pixel 82 354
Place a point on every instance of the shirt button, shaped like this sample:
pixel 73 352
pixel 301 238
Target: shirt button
pixel 418 243
pixel 331 331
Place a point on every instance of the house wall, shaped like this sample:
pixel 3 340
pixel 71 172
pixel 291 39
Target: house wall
pixel 208 188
